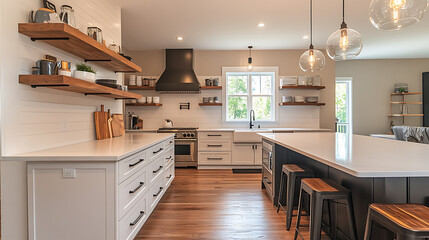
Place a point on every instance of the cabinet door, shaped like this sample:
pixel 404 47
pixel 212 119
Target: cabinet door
pixel 70 201
pixel 258 154
pixel 243 154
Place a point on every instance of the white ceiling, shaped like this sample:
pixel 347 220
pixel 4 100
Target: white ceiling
pixel 232 25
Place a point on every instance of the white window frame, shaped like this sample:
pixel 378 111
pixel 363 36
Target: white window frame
pixel 349 82
pixel 226 71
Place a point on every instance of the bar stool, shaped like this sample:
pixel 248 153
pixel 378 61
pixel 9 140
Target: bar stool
pixel 407 221
pixel 293 173
pixel 320 190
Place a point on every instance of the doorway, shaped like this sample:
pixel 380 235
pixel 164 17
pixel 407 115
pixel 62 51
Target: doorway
pixel 343 105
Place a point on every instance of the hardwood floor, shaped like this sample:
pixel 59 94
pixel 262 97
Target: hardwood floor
pixel 217 204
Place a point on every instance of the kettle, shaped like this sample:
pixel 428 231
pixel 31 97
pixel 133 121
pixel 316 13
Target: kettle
pixel 168 123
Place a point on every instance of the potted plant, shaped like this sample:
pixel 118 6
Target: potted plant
pixel 84 72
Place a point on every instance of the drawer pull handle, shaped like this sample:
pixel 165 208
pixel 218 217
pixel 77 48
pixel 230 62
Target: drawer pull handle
pixel 214 135
pixel 171 142
pixel 136 163
pixel 220 145
pixel 266 180
pixel 158 151
pixel 160 190
pixel 137 188
pixel 169 176
pixel 137 219
pixel 159 169
pixel 214 158
pixel 169 158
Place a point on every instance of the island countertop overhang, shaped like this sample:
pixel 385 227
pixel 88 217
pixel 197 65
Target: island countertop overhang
pixel 359 156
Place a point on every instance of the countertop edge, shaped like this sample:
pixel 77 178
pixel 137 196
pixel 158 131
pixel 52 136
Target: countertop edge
pixel 93 158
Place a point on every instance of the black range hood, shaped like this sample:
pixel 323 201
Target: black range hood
pixel 179 75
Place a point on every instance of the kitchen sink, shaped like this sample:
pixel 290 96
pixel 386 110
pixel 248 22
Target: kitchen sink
pixel 249 135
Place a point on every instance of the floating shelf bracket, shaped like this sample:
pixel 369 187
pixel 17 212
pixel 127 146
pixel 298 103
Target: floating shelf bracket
pixel 50 85
pixel 125 71
pixel 52 38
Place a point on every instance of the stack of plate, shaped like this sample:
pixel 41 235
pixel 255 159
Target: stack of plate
pixel 312 99
pixel 111 83
pixel 299 99
pixel 287 99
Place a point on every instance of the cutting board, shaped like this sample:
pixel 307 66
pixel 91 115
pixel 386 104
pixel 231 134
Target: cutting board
pixel 118 128
pixel 101 124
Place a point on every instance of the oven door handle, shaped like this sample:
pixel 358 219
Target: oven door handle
pixel 185 140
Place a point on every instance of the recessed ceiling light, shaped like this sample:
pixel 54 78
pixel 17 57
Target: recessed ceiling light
pixel 261 25
pixel 305 37
pixel 179 38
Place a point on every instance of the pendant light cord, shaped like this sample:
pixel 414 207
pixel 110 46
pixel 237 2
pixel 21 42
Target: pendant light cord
pixel 343 10
pixel 311 22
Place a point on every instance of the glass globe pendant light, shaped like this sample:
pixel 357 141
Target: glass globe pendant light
pixel 312 60
pixel 250 60
pixel 396 14
pixel 344 43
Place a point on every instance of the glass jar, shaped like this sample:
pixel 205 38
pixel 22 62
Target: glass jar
pixel 96 34
pixel 67 15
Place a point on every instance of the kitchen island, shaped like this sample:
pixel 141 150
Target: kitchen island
pixel 103 189
pixel 374 169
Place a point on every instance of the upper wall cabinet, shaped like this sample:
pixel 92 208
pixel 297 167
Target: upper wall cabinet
pixel 71 40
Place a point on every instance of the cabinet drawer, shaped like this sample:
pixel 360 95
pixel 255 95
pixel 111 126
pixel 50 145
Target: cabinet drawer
pixel 131 223
pixel 169 157
pixel 214 145
pixel 168 176
pixel 169 143
pixel 215 135
pixel 131 165
pixel 131 190
pixel 156 151
pixel 155 194
pixel 214 158
pixel 155 170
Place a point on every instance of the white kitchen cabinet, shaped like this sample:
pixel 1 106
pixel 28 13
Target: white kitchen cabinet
pixel 214 148
pixel 106 200
pixel 247 154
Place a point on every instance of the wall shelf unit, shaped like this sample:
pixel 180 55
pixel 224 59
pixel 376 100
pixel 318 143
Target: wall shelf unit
pixel 141 88
pixel 303 87
pixel 403 105
pixel 302 104
pixel 211 87
pixel 145 104
pixel 210 104
pixel 71 40
pixel 65 83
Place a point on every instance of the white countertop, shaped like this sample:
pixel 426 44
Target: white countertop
pixel 360 156
pixel 111 149
pixel 267 129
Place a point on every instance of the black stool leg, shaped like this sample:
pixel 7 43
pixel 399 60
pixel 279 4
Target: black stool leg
pixel 352 224
pixel 298 219
pixel 280 193
pixel 291 178
pixel 332 207
pixel 368 227
pixel 316 211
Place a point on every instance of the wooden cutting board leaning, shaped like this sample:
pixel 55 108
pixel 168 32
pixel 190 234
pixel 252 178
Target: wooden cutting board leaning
pixel 101 124
pixel 118 128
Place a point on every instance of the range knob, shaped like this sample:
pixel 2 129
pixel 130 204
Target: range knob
pixel 188 135
pixel 192 135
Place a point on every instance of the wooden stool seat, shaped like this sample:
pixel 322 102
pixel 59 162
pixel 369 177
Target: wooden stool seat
pixel 320 190
pixel 294 173
pixel 407 221
pixel 323 186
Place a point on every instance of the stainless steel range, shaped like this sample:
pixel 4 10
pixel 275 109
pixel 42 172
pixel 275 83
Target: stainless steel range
pixel 185 146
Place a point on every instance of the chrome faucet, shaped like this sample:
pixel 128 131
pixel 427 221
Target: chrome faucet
pixel 252 118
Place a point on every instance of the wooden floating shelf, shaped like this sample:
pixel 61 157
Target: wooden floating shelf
pixel 71 40
pixel 302 104
pixel 407 93
pixel 406 102
pixel 141 88
pixel 145 104
pixel 406 115
pixel 65 83
pixel 210 104
pixel 211 88
pixel 303 87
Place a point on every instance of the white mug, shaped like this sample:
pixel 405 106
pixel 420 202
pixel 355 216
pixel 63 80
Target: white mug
pixel 142 100
pixel 149 99
pixel 139 81
pixel 155 99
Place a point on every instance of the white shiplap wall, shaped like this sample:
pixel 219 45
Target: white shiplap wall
pixel 34 119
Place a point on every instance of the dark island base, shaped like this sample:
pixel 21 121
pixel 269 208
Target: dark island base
pixel 364 191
